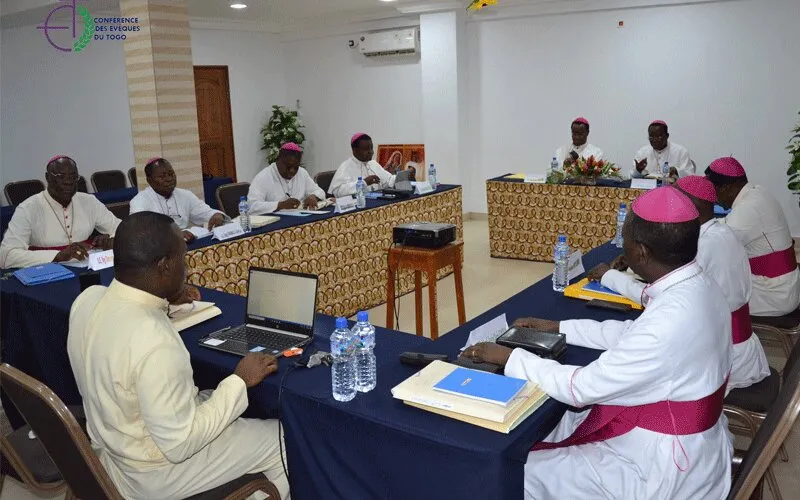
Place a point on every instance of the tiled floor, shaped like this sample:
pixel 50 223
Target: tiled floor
pixel 487 282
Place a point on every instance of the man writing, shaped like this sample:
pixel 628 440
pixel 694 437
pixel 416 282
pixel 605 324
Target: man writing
pixel 724 260
pixel 361 165
pixel 284 185
pixel 655 429
pixel 182 205
pixel 758 221
pixel 57 224
pixel 154 433
pixel 579 148
pixel 661 150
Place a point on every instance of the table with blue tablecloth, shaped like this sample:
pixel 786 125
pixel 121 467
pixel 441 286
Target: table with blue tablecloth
pixel 372 447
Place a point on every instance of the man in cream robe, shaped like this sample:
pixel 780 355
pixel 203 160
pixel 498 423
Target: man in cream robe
pixel 57 224
pixel 580 146
pixel 758 221
pixel 361 165
pixel 284 184
pixel 724 260
pixel 657 373
pixel 157 436
pixel 651 158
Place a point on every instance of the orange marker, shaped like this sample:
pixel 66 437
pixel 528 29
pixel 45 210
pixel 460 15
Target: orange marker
pixel 294 351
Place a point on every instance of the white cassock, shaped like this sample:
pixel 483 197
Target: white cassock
pixel 677 350
pixel 760 224
pixel 346 176
pixel 268 188
pixel 156 435
pixel 724 260
pixel 185 208
pixel 675 154
pixel 584 152
pixel 42 222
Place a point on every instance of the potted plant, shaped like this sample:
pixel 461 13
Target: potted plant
pixel 283 126
pixel 794 163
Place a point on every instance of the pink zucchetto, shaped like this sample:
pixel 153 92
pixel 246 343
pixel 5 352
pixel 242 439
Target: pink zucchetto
pixel 665 205
pixel 151 160
pixel 581 119
pixel 658 122
pixel 291 146
pixel 58 157
pixel 698 186
pixel 727 166
pixel 356 137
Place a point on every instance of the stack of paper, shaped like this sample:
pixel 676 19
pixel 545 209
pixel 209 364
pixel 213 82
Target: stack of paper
pixel 499 403
pixel 188 315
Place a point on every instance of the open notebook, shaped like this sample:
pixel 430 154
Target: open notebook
pixel 187 315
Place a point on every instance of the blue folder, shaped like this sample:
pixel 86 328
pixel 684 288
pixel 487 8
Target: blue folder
pixel 484 386
pixel 595 286
pixel 46 273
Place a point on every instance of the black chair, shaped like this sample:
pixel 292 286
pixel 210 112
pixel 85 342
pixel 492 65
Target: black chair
pixel 120 209
pixel 323 180
pixel 108 180
pixel 17 192
pixel 68 446
pixel 768 440
pixel 132 177
pixel 228 197
pixel 749 407
pixel 82 187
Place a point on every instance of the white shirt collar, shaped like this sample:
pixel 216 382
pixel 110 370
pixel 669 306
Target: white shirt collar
pixel 658 287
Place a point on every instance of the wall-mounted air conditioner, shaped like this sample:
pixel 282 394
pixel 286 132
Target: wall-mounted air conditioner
pixel 384 43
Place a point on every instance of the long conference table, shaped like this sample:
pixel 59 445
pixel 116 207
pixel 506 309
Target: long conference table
pixel 372 447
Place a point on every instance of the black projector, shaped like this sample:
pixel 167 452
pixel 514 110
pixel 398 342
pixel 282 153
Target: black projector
pixel 424 234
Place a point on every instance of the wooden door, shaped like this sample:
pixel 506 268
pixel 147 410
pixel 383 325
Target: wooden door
pixel 214 121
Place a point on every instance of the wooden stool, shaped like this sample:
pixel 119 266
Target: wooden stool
pixel 429 261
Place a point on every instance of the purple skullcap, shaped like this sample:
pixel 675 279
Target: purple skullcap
pixel 727 166
pixel 697 186
pixel 665 205
pixel 581 119
pixel 658 122
pixel 291 146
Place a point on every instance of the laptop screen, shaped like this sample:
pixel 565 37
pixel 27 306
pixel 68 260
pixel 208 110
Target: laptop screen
pixel 282 300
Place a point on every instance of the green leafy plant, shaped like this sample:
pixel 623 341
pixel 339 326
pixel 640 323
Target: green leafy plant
pixel 794 164
pixel 283 126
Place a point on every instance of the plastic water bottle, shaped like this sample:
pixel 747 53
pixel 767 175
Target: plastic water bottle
pixel 364 335
pixel 665 170
pixel 560 256
pixel 621 213
pixel 432 180
pixel 343 371
pixel 361 193
pixel 244 214
pixel 554 164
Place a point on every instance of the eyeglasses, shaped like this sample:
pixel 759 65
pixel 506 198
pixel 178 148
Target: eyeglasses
pixel 65 177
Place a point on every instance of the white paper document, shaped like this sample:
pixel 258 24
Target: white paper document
pixel 228 231
pixel 200 232
pixel 294 213
pixel 643 183
pixel 488 332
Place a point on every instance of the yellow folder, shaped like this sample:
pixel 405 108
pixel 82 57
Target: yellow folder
pixel 576 291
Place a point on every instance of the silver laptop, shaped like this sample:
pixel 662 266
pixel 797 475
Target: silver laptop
pixel 281 307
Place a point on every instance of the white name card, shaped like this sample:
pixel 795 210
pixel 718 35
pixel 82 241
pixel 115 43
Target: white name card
pixel 535 179
pixel 228 231
pixel 345 204
pixel 424 188
pixel 101 260
pixel 643 183
pixel 575 265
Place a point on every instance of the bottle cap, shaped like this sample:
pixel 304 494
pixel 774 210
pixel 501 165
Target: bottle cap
pixel 360 178
pixel 622 205
pixel 562 238
pixel 363 316
pixel 341 323
pixel 243 198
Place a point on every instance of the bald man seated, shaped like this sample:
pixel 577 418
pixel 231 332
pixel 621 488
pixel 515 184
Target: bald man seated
pixel 58 224
pixel 155 433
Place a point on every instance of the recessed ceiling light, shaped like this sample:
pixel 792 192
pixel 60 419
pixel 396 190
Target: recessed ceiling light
pixel 238 5
pixel 388 0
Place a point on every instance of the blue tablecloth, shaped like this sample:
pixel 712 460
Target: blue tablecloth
pixel 372 447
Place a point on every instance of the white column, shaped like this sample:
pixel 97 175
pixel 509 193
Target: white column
pixel 444 106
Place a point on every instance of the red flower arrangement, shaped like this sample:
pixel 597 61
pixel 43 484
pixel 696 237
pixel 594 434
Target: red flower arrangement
pixel 591 167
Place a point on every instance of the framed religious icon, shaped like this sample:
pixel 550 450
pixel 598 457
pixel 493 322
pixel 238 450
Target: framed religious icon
pixel 397 157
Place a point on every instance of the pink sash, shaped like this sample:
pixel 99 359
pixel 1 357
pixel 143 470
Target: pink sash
pixel 741 325
pixel 774 264
pixel 677 418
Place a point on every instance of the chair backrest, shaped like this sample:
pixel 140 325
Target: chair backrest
pixel 121 209
pixel 17 192
pixel 228 197
pixel 769 438
pixel 323 180
pixel 132 177
pixel 82 187
pixel 792 361
pixel 60 434
pixel 108 180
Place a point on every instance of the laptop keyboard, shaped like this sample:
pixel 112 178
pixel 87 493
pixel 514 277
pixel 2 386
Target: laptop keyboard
pixel 265 338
